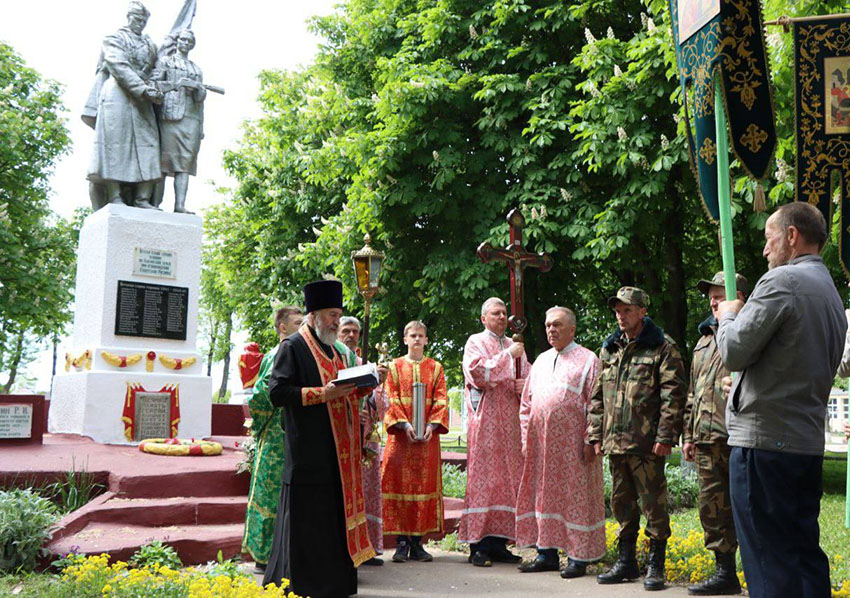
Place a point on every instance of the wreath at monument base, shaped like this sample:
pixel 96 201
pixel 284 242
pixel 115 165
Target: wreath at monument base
pixel 180 447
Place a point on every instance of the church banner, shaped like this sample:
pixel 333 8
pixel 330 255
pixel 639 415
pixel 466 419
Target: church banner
pixel 822 68
pixel 725 36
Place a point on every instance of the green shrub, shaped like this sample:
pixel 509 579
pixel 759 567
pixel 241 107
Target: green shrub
pixel 75 489
pixel 26 520
pixel 221 399
pixel 450 543
pixel 71 491
pixel 682 487
pixel 156 553
pixel 454 481
pixel 222 566
pixel 455 396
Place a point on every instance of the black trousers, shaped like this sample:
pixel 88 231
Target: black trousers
pixel 776 503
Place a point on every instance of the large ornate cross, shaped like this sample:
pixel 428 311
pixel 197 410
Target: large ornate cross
pixel 518 259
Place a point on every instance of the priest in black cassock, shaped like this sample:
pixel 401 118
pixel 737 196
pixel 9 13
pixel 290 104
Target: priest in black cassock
pixel 320 534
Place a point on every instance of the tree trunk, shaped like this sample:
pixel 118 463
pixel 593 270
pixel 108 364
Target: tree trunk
pixel 53 369
pixel 675 305
pixel 213 341
pixel 227 330
pixel 13 363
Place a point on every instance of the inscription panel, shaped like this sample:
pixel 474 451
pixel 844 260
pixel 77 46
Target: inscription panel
pixel 16 420
pixel 151 310
pixel 153 415
pixel 154 262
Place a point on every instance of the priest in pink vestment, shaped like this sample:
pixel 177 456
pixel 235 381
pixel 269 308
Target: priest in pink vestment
pixel 494 459
pixel 560 503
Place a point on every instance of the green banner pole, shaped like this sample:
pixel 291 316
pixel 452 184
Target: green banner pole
pixel 724 194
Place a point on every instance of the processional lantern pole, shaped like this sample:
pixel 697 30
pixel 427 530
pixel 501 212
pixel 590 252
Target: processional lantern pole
pixel 367 272
pixel 518 259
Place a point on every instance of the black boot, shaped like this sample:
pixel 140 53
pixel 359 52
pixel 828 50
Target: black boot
pixel 724 582
pixel 655 576
pixel 574 569
pixel 417 553
pixel 402 550
pixel 625 568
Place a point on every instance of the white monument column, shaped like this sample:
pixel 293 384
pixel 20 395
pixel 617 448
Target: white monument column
pixel 134 371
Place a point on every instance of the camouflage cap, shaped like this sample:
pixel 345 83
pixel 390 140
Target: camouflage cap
pixel 629 296
pixel 720 281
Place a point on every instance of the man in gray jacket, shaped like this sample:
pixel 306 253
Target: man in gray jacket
pixel 786 342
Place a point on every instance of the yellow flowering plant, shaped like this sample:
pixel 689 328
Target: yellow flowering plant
pixel 94 576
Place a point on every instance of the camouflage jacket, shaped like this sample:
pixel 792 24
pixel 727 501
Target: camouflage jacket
pixel 705 412
pixel 639 397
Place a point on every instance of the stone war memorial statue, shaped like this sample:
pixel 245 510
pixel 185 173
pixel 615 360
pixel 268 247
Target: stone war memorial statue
pixel 181 114
pixel 125 161
pixel 133 371
pixel 147 110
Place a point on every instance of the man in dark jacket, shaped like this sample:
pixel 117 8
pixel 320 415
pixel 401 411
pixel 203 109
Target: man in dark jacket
pixel 786 343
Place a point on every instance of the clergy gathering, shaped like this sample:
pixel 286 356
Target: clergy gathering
pixel 492 298
pixel 537 432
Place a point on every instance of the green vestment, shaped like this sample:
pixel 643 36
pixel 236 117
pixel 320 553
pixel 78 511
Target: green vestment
pixel 268 467
pixel 349 358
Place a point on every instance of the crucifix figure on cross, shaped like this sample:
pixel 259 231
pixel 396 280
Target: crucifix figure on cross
pixel 518 259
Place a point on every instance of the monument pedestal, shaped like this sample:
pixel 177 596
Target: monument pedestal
pixel 134 371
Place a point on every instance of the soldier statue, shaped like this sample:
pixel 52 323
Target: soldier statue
pixel 125 161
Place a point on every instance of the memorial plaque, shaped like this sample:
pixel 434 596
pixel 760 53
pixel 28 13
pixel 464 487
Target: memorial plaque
pixel 16 420
pixel 151 310
pixel 154 262
pixel 153 415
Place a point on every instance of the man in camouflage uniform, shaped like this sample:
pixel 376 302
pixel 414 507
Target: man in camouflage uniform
pixel 705 439
pixel 635 418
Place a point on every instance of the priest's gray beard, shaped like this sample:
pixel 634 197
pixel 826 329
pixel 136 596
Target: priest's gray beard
pixel 326 335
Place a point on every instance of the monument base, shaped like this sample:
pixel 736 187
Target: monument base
pixel 133 371
pixel 99 405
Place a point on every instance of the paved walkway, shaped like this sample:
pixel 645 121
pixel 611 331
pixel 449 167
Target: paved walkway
pixel 451 575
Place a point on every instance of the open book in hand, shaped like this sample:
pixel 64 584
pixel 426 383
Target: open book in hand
pixel 363 376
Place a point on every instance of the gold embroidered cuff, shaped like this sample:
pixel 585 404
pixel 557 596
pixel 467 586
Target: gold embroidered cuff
pixel 312 395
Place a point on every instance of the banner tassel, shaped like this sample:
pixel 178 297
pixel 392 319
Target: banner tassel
pixel 759 200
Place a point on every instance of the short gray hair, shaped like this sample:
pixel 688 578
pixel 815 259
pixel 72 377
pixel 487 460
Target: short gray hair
pixel 571 316
pixel 806 218
pixel 487 305
pixel 346 320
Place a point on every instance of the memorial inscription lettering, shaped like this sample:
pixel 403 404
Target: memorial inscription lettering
pixel 153 415
pixel 151 310
pixel 15 421
pixel 154 262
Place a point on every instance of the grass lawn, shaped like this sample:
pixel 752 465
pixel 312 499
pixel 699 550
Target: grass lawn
pixel 33 585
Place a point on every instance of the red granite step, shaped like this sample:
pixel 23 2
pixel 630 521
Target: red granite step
pixel 220 482
pixel 175 510
pixel 194 544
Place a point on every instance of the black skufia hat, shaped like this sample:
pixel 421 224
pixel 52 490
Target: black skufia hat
pixel 322 294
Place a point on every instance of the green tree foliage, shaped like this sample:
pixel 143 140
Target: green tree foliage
pixel 38 249
pixel 425 122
